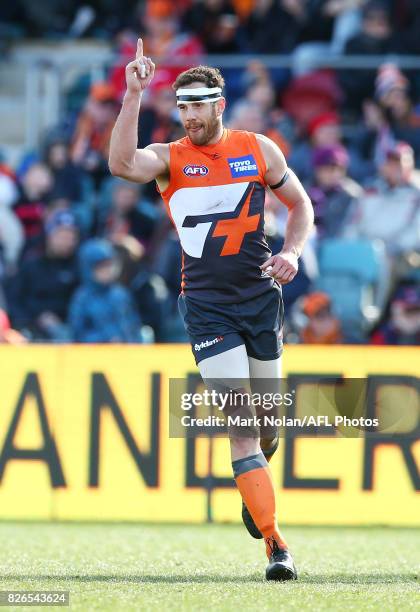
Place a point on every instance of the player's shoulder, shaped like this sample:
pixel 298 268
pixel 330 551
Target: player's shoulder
pixel 265 141
pixel 239 134
pixel 240 138
pixel 246 134
pixel 269 149
pixel 158 147
pixel 180 143
pixel 272 154
pixel 161 149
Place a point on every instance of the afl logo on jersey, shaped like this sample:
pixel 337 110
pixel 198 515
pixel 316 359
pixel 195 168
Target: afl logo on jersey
pixel 195 170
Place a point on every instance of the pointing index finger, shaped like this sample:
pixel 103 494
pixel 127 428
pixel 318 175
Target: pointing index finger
pixel 139 52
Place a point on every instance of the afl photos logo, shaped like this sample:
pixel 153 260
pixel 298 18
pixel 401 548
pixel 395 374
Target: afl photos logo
pixel 195 170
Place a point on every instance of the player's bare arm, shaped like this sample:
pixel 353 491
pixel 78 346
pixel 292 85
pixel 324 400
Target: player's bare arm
pixel 289 190
pixel 125 159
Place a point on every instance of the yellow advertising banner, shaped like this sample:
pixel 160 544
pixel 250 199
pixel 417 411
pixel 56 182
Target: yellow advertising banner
pixel 84 435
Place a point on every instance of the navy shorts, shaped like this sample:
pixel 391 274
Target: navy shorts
pixel 216 328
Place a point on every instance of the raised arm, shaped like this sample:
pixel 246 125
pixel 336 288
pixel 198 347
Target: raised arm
pixel 125 160
pixel 289 190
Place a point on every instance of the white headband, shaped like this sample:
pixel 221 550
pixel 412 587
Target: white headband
pixel 198 94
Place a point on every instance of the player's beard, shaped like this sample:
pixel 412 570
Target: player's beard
pixel 208 129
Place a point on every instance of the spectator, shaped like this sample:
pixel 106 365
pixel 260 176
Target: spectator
pixel 100 18
pixel 125 50
pixel 168 264
pixel 262 93
pixel 255 72
pixel 43 286
pixel 392 93
pixel 409 22
pixel 390 208
pixel 370 139
pixel 11 231
pixel 163 40
pixel 7 334
pixel 249 116
pixel 332 191
pixel 216 24
pixel 2 296
pixel 168 259
pixel 5 168
pixel 38 272
pixel 243 8
pixel 274 26
pixel 311 96
pixel 346 16
pixel 46 17
pixel 131 214
pixel 317 25
pixel 388 118
pixel 129 255
pixel 70 183
pixel 31 205
pixel 375 38
pixel 246 113
pixel 67 179
pixel 327 27
pixel 151 296
pixel 159 118
pixel 323 131
pixel 90 144
pixel 403 327
pixel 322 327
pixel 280 129
pixel 102 310
pixel 130 227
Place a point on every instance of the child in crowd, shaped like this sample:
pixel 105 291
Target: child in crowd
pixel 101 309
pixel 403 326
pixel 322 327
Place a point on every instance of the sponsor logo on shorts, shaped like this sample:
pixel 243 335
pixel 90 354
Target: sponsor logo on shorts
pixel 195 170
pixel 243 166
pixel 207 343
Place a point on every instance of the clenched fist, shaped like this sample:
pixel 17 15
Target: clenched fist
pixel 140 71
pixel 283 267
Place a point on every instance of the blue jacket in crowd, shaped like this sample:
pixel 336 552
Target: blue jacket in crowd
pixel 102 312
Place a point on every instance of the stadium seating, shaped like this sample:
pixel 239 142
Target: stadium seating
pixel 354 273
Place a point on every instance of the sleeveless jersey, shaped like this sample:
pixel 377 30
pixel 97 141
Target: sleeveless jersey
pixel 215 199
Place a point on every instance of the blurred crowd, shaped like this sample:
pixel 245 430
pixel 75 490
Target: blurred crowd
pixel 86 257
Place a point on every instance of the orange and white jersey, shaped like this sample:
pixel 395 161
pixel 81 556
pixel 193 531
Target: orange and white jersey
pixel 215 199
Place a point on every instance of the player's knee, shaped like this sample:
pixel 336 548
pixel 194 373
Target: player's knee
pixel 244 447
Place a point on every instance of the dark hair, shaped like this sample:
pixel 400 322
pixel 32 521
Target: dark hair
pixel 211 77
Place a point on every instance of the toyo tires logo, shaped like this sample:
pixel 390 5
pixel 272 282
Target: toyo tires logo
pixel 195 170
pixel 243 166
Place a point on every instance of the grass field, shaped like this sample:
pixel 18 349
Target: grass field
pixel 163 567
